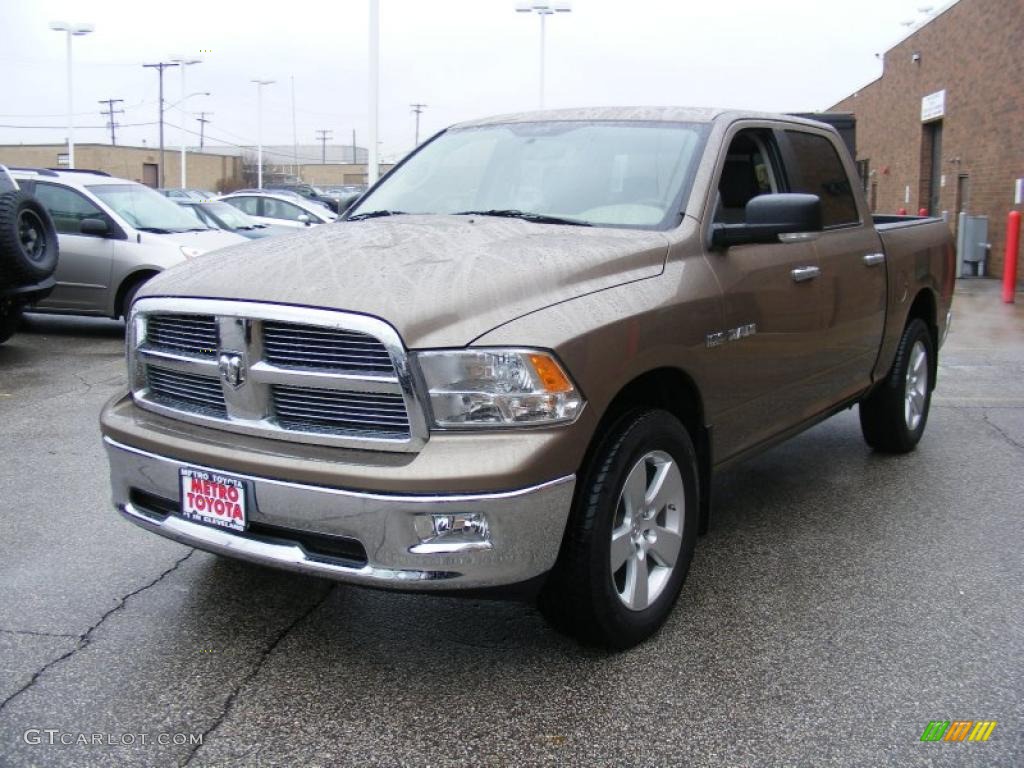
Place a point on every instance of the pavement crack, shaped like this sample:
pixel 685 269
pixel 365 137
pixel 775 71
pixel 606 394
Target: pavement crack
pixel 33 633
pixel 85 638
pixel 265 654
pixel 1002 433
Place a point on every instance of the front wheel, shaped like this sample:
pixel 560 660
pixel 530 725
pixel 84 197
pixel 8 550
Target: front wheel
pixel 893 416
pixel 630 537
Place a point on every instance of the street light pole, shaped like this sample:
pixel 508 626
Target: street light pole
pixel 373 167
pixel 71 30
pixel 183 62
pixel 543 10
pixel 259 130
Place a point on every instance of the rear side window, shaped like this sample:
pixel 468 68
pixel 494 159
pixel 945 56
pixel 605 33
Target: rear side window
pixel 67 207
pixel 822 174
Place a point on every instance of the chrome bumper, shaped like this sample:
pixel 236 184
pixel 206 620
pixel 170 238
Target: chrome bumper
pixel 524 527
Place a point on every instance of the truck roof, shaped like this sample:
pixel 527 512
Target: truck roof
pixel 644 114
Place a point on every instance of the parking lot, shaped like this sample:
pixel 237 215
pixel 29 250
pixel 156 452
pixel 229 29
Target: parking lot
pixel 841 601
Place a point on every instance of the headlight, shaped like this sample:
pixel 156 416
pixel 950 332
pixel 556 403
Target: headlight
pixel 498 387
pixel 190 253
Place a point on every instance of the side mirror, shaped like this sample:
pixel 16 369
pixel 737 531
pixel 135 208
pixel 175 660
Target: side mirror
pixel 94 227
pixel 768 216
pixel 305 218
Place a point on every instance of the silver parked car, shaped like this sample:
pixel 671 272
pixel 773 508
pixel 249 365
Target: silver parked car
pixel 280 208
pixel 114 235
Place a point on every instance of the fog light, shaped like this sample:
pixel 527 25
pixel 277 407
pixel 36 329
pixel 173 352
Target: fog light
pixel 458 532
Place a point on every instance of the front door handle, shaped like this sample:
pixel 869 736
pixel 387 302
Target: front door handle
pixel 872 259
pixel 800 274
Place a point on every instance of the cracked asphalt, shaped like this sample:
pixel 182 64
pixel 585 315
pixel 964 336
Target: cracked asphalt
pixel 840 602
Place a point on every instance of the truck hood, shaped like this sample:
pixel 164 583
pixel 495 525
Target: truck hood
pixel 439 280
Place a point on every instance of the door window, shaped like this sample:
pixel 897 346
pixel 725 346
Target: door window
pixel 67 207
pixel 279 209
pixel 747 173
pixel 822 174
pixel 250 205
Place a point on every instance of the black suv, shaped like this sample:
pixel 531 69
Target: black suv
pixel 28 253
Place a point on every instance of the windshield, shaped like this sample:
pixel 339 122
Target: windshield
pixel 624 174
pixel 146 209
pixel 228 215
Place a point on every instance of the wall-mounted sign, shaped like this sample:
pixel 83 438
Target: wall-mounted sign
pixel 933 106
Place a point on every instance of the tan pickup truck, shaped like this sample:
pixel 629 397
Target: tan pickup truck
pixel 518 362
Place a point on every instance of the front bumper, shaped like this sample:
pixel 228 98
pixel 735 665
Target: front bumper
pixel 289 523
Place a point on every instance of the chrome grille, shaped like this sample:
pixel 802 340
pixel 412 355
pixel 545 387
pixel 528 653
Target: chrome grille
pixel 185 334
pixel 306 346
pixel 288 373
pixel 185 390
pixel 308 409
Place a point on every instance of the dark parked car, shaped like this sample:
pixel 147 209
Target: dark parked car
pixel 220 215
pixel 345 194
pixel 309 192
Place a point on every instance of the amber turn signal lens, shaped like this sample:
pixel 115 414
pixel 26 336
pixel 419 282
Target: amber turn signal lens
pixel 550 374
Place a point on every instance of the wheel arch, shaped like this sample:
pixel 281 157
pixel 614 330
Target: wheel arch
pixel 127 283
pixel 675 391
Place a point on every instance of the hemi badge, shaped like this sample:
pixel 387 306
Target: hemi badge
pixel 719 338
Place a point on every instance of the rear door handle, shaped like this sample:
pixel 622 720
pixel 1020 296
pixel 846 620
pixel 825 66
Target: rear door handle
pixel 800 274
pixel 872 259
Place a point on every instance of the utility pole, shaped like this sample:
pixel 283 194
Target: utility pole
pixel 354 159
pixel 372 164
pixel 322 135
pixel 109 114
pixel 418 109
pixel 160 67
pixel 295 136
pixel 203 120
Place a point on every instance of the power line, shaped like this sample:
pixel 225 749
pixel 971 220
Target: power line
pixel 109 114
pixel 418 109
pixel 322 135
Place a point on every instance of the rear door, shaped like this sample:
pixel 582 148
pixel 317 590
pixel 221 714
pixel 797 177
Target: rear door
pixel 852 261
pixel 86 261
pixel 764 357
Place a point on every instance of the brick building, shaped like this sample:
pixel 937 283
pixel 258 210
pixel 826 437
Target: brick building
pixel 943 127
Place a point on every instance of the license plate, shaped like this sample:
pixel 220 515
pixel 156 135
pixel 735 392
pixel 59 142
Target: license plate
pixel 214 499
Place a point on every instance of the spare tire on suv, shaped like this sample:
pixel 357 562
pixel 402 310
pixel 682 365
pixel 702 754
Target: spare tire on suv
pixel 28 253
pixel 28 241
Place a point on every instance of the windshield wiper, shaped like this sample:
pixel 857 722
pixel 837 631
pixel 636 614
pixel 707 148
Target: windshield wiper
pixel 155 230
pixel 374 215
pixel 537 218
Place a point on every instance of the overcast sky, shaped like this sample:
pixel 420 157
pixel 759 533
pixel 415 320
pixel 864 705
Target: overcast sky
pixel 463 58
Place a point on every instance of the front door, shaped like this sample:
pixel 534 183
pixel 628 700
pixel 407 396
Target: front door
pixel 86 261
pixel 766 353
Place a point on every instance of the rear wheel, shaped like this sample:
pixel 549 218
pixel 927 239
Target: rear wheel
pixel 630 537
pixel 894 415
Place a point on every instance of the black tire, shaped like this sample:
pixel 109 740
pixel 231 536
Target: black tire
pixel 887 415
pixel 28 240
pixel 581 597
pixel 129 296
pixel 10 319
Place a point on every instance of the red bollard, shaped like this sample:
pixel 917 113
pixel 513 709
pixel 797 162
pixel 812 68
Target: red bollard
pixel 1010 262
pixel 922 212
pixel 901 211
